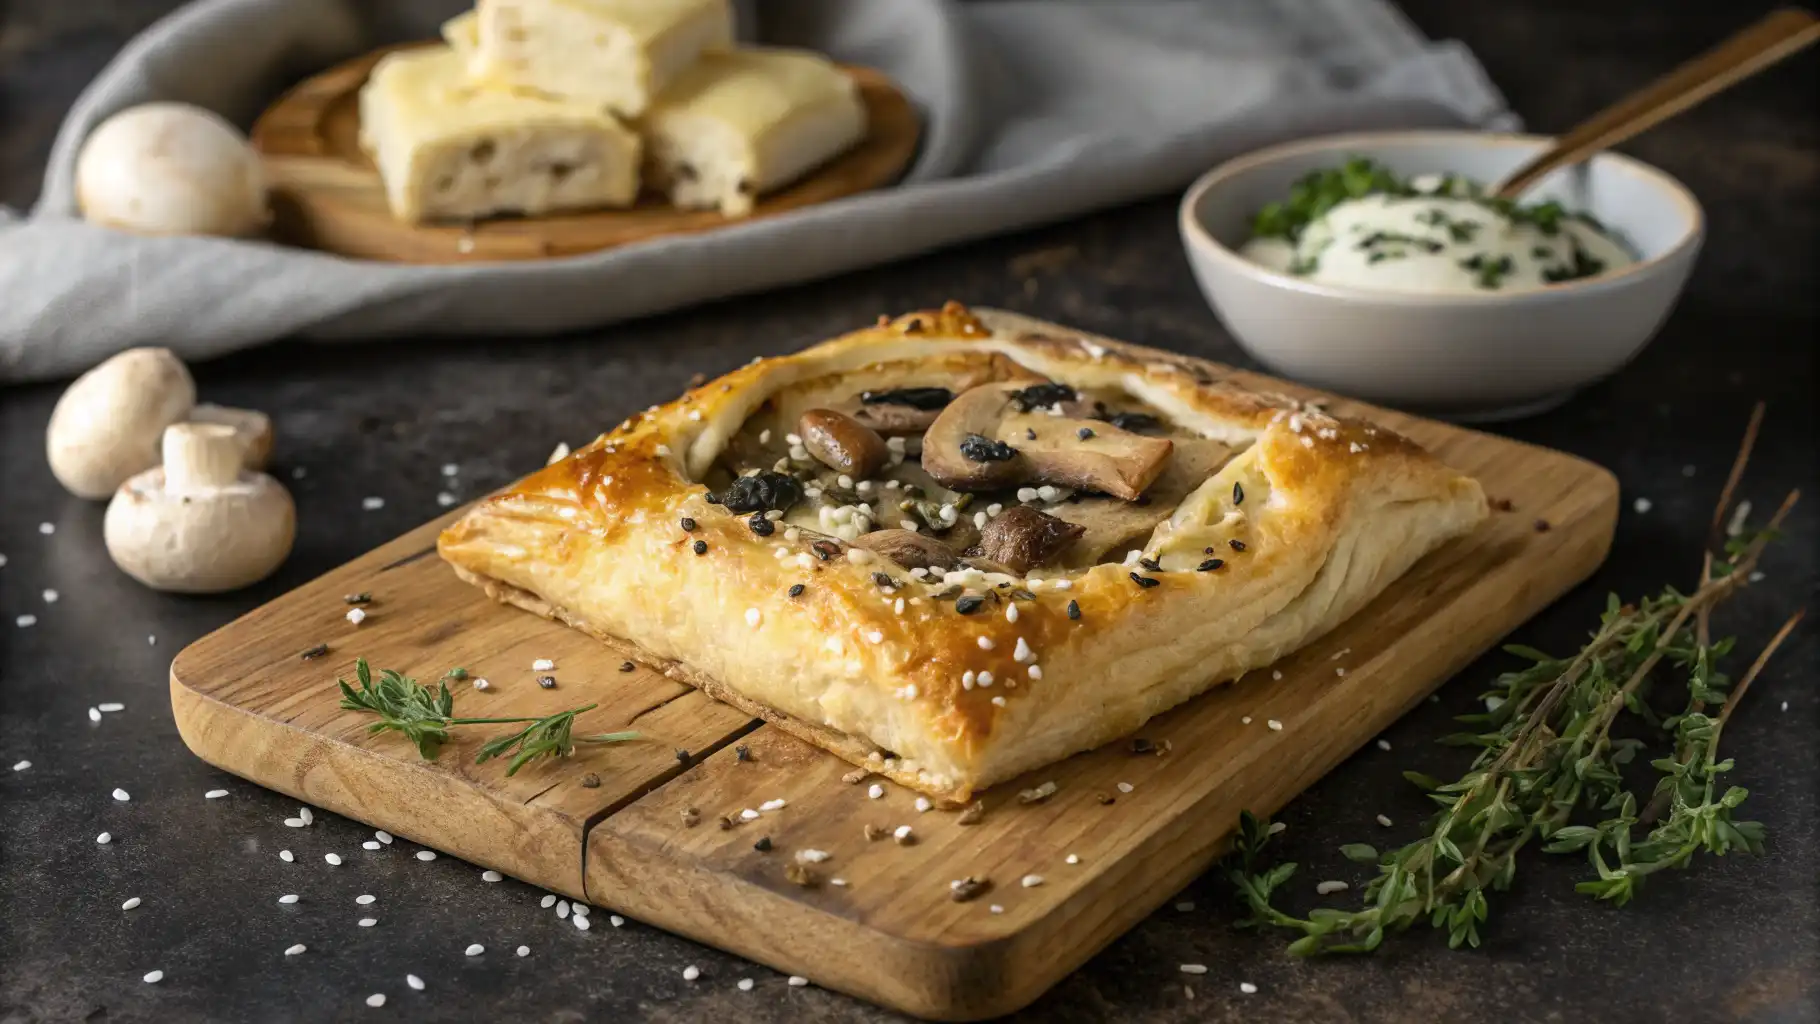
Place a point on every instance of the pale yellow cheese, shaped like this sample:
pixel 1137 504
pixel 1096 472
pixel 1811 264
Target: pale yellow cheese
pixel 448 147
pixel 745 122
pixel 618 53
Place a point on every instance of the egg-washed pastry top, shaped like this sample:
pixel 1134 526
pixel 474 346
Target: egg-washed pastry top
pixel 952 553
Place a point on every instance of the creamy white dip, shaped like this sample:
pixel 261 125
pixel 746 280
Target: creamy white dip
pixel 1440 240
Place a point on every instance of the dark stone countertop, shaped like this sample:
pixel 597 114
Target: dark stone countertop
pixel 1737 939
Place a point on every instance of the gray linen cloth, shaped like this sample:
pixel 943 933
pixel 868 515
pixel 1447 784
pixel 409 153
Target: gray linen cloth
pixel 1034 111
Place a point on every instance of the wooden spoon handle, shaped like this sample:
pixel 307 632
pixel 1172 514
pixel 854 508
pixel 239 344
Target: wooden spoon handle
pixel 1780 34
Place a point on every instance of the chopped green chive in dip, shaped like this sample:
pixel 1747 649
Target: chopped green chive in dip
pixel 1360 226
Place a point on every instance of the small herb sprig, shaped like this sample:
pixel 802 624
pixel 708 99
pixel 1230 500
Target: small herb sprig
pixel 425 714
pixel 1548 756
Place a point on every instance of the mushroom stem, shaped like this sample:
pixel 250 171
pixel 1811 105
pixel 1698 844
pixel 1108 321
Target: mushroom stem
pixel 201 457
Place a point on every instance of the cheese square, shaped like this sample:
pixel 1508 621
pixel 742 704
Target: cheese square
pixel 618 53
pixel 745 122
pixel 449 148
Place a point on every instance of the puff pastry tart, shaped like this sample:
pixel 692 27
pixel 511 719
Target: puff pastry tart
pixel 952 552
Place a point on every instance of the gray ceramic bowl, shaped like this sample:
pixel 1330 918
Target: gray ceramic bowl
pixel 1469 357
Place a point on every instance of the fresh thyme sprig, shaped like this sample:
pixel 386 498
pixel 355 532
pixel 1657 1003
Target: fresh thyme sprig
pixel 424 715
pixel 1547 755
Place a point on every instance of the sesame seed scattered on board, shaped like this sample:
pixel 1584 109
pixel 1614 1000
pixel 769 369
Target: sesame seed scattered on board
pixel 490 875
pixel 426 855
pixel 414 981
pixel 152 977
pixel 94 714
pixel 20 766
pixel 798 981
pixel 1126 787
pixel 1031 881
pixel 122 795
pixel 1073 858
pixel 745 984
pixel 104 838
pixel 288 898
pixel 1383 744
pixel 334 859
pixel 286 856
pixel 1275 726
pixel 110 707
pixel 131 903
pixel 383 836
pixel 691 972
pixel 371 844
pixel 523 951
pixel 294 950
pixel 376 1000
pixel 365 898
pixel 875 791
pixel 214 794
pixel 476 949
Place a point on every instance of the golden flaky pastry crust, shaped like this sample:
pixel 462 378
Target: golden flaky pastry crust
pixel 1328 513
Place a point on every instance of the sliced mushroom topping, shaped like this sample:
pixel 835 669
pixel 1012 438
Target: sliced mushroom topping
pixel 910 550
pixel 842 443
pixel 1136 422
pixel 1023 538
pixel 901 412
pixel 1113 527
pixel 1035 447
pixel 928 399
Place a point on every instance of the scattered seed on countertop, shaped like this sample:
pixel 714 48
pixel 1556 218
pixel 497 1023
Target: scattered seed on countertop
pixel 334 859
pixel 357 615
pixel 294 950
pixel 110 707
pixel 691 972
pixel 904 835
pixel 94 714
pixel 214 794
pixel 923 804
pixel 1384 820
pixel 1194 968
pixel 490 875
pixel 1324 888
pixel 26 621
pixel 1642 505
pixel 1383 744
pixel 745 984
pixel 47 528
pixel 372 504
pixel 20 766
pixel 523 951
pixel 383 836
pixel 1185 906
pixel 153 977
pixel 367 922
pixel 798 981
pixel 1073 858
pixel 1031 881
pixel 122 795
pixel 288 898
pixel 1275 726
pixel 562 909
pixel 1275 827
pixel 476 949
pixel 426 855
pixel 875 791
pixel 285 855
pixel 414 981
pixel 1247 987
pixel 542 665
pixel 104 838
pixel 365 898
pixel 1126 787
pixel 130 904
pixel 580 922
pixel 376 1000
pixel 371 844
pixel 772 805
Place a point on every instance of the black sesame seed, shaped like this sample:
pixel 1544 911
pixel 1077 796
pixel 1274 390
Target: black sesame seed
pixel 1074 610
pixel 1029 435
pixel 1084 433
pixel 547 682
pixel 626 666
pixel 1236 544
pixel 760 525
pixel 884 579
pixel 825 549
pixel 1207 551
pixel 687 524
pixel 701 547
pixel 1144 581
pixel 1238 493
pixel 742 753
pixel 796 590
pixel 361 598
pixel 969 604
pixel 315 652
pixel 1209 565
pixel 763 845
pixel 1150 563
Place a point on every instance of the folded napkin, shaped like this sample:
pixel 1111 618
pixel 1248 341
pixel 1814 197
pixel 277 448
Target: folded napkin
pixel 1034 111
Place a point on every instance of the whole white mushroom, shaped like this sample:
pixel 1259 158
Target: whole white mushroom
pixel 201 523
pixel 106 426
pixel 171 169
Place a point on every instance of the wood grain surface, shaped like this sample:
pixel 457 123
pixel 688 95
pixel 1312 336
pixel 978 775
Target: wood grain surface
pixel 611 824
pixel 326 193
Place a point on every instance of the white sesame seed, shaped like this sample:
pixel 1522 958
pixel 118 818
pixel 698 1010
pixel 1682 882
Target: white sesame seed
pixel 542 665
pixel 875 791
pixel 94 714
pixel 130 904
pixel 985 643
pixel 753 615
pixel 446 500
pixel 152 977
pixel 581 909
pixel 286 856
pixel 104 838
pixel 748 815
pixel 1073 858
pixel 414 981
pixel 996 909
pixel 901 832
pixel 376 1000
pixel 1384 820
pixel 372 504
pixel 523 951
pixel 482 684
pixel 562 909
pixel 489 875
pixel 288 898
pixel 876 637
pixel 998 702
pixel 898 606
pixel 615 920
pixel 1325 888
pixel 798 981
pixel 985 679
pixel 923 804
pixel 214 794
pixel 371 844
pixel 450 469
pixel 294 950
pixel 1125 787
pixel 365 898
pixel 1021 653
pixel 580 921
pixel 1035 672
pixel 1784 707
pixel 772 805
pixel 122 795
pixel 1275 726
pixel 745 984
pixel 1031 881
pixel 1276 827
pixel 20 766
pixel 1383 744
pixel 812 856
pixel 1642 505
pixel 1245 720
pixel 356 616
pixel 1276 673
pixel 1194 968
pixel 1247 987
pixel 50 596
pixel 426 855
pixel 691 972
pixel 334 859
pixel 476 949
pixel 47 528
pixel 1339 672
pixel 967 679
pixel 383 836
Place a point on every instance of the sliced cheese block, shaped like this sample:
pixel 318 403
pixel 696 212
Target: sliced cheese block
pixel 451 148
pixel 618 53
pixel 746 122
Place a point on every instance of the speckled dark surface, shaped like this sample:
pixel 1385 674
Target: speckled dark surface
pixel 1733 940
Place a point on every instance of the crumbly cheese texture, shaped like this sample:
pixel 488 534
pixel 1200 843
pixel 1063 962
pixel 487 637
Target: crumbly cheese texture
pixel 617 53
pixel 746 122
pixel 448 147
pixel 797 626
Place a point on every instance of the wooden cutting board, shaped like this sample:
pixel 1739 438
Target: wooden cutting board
pixel 327 195
pixel 609 825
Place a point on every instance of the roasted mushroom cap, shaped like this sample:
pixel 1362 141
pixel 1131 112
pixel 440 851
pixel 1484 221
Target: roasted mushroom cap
pixel 1023 538
pixel 841 443
pixel 984 440
pixel 908 549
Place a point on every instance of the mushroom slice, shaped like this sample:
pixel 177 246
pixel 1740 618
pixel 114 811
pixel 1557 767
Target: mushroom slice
pixel 842 443
pixel 1112 527
pixel 982 441
pixel 901 411
pixel 252 427
pixel 1023 538
pixel 910 550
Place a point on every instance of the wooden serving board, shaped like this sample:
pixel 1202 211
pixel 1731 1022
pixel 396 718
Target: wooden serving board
pixel 326 193
pixel 608 825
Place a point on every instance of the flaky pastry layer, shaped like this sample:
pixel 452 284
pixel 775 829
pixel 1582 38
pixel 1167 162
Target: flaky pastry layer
pixel 619 540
